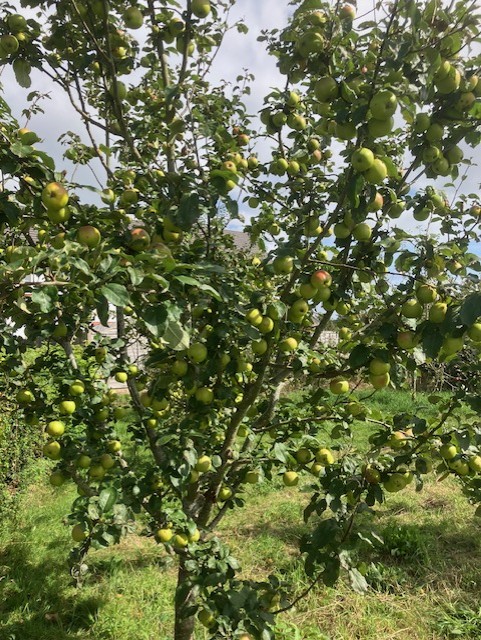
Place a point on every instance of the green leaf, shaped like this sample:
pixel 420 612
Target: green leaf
pixel 176 336
pixel 188 211
pixel 45 158
pixel 200 285
pixel 116 294
pixel 471 309
pixel 45 297
pixel 21 150
pixel 107 499
pixel 359 356
pixel 154 319
pixel 103 310
pixel 22 69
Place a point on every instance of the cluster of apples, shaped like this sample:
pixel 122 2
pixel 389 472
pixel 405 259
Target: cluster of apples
pixel 235 165
pixel 415 308
pixel 96 467
pixel 316 460
pixel 462 463
pixel 19 33
pixel 176 539
pixel 310 32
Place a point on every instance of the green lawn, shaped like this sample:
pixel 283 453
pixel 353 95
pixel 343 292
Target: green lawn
pixel 426 583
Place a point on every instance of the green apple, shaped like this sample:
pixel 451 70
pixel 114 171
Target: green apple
pixel 164 535
pixel 54 196
pixel 394 483
pixel 362 232
pixel 466 101
pixel 179 368
pixel 114 446
pixel 55 428
pixel 378 367
pixel 197 352
pixel 252 477
pixel 96 472
pixel 57 479
pixel 450 82
pixel 422 122
pixel 121 376
pixel 460 466
pixel 448 451
pixel 107 461
pixel 454 154
pixel 362 159
pixel 371 474
pixel 474 332
pixel 307 290
pixel 341 231
pixel 381 381
pixel 204 395
pixel 377 172
pixel 139 239
pixel 441 167
pixel 180 541
pixel 79 533
pixel 203 464
pixel 437 313
pixel 283 264
pixel 206 617
pixel 225 494
pixel 133 18
pixel 8 44
pixel 324 457
pixel 406 339
pixel 88 236
pixel 254 317
pixel 16 23
pixel 347 12
pixel 259 347
pixel 84 461
pixel 345 131
pixel 200 8
pixel 76 388
pixel 339 386
pixel 299 307
pixel 376 203
pixel 379 128
pixel 266 325
pixel 67 407
pixel 475 463
pixel 24 396
pixel 326 89
pixel 452 345
pixel 287 345
pixel 290 479
pixel 52 450
pixel 412 308
pixel 303 455
pixel 426 294
pixel 383 105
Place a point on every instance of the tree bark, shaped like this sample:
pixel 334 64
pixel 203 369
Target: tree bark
pixel 184 597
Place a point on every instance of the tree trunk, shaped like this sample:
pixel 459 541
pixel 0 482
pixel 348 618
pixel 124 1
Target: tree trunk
pixel 184 596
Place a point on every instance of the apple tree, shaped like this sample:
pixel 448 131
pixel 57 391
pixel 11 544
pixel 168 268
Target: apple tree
pixel 340 177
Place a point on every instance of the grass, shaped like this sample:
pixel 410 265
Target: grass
pixel 425 580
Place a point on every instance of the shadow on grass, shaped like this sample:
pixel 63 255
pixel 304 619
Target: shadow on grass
pixel 37 596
